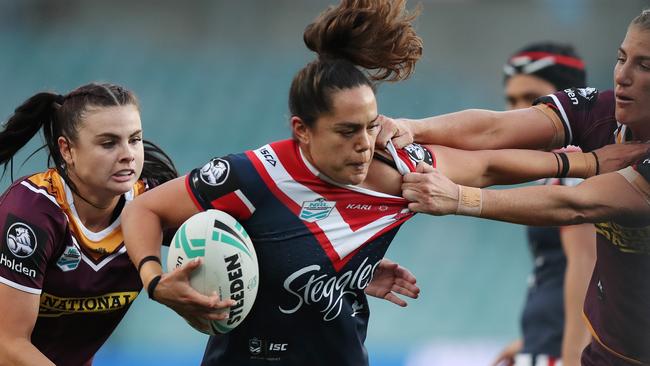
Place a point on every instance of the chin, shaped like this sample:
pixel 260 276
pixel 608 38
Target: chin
pixel 121 188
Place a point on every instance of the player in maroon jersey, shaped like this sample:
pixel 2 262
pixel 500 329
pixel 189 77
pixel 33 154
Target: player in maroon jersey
pixel 618 297
pixel 65 278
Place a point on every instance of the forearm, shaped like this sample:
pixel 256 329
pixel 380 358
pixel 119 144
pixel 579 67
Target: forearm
pixel 477 129
pixel 518 166
pixel 142 231
pixel 19 352
pixel 542 205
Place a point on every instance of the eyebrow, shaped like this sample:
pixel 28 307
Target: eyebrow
pixel 112 135
pixel 642 58
pixel 354 124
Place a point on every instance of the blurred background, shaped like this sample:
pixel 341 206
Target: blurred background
pixel 213 77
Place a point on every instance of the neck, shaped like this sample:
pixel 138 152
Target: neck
pixel 94 210
pixel 93 216
pixel 640 134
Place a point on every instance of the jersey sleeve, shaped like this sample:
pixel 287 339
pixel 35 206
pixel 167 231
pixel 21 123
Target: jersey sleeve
pixel 572 109
pixel 639 176
pixel 216 185
pixel 406 159
pixel 32 227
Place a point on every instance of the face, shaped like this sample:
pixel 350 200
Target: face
pixel 632 79
pixel 341 143
pixel 521 90
pixel 107 156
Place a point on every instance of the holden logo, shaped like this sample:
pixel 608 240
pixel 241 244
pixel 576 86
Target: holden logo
pixel 215 172
pixel 21 240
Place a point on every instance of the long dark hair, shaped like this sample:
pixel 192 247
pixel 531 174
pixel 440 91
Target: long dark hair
pixel 376 35
pixel 60 115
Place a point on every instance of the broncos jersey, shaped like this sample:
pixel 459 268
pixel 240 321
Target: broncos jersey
pixel 318 243
pixel 617 304
pixel 85 279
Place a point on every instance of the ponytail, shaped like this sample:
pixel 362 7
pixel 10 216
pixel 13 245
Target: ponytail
pixel 36 112
pixel 158 166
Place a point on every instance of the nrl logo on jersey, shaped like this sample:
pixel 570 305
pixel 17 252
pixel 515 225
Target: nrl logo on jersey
pixel 316 210
pixel 70 259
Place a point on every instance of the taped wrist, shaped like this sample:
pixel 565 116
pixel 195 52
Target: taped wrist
pixel 582 165
pixel 470 201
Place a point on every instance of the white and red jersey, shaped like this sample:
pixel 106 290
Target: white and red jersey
pixel 317 242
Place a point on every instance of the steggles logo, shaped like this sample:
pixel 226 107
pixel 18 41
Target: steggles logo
pixel 326 290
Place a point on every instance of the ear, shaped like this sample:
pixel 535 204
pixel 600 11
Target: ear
pixel 65 150
pixel 300 130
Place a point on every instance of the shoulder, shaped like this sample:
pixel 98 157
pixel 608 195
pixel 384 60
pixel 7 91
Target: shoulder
pixel 579 98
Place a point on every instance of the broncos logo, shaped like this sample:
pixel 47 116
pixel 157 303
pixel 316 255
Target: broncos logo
pixel 21 240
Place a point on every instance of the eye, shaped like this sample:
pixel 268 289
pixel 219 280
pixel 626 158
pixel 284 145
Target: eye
pixel 107 144
pixel 374 128
pixel 135 139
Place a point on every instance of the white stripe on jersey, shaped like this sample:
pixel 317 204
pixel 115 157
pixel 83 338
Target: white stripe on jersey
pixel 338 232
pixel 35 291
pixel 565 119
pixel 40 191
pixel 245 201
pixel 98 266
pixel 93 236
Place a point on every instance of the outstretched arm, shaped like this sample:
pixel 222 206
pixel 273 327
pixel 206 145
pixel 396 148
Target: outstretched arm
pixel 606 197
pixel 477 129
pixel 489 167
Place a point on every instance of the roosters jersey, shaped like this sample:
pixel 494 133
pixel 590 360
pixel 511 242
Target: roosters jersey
pixel 617 304
pixel 85 279
pixel 318 243
pixel 542 320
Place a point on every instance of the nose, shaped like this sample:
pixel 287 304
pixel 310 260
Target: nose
pixel 623 74
pixel 127 153
pixel 364 142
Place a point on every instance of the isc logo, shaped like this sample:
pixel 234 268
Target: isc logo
pixel 278 346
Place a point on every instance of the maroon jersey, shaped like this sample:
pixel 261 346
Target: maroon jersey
pixel 85 279
pixel 617 305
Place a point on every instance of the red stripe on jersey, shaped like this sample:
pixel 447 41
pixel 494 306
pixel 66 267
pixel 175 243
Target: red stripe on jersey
pixel 353 213
pixel 191 194
pixel 315 230
pixel 232 204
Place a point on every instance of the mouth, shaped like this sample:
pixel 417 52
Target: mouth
pixel 622 98
pixel 124 175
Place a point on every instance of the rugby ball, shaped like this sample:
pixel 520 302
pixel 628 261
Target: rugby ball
pixel 229 262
